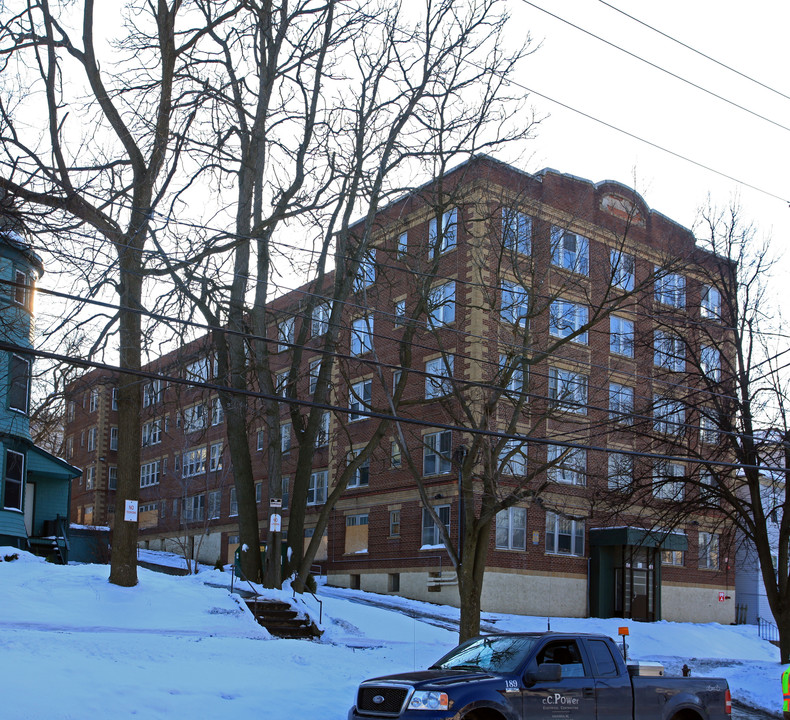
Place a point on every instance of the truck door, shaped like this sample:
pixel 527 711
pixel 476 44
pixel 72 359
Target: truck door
pixel 573 697
pixel 613 692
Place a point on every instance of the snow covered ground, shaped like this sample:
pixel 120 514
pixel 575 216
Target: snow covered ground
pixel 74 646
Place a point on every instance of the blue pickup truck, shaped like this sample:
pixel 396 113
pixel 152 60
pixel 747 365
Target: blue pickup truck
pixel 551 676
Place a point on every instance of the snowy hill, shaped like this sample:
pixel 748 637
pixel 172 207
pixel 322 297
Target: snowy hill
pixel 75 646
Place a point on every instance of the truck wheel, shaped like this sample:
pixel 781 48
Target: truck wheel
pixel 483 714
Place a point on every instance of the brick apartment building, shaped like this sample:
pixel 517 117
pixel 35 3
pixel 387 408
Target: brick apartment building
pixel 520 266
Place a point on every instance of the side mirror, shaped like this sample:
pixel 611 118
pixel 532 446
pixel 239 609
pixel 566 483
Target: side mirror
pixel 546 673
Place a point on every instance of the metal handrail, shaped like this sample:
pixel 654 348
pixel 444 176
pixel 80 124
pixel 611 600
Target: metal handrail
pixel 767 630
pixel 320 605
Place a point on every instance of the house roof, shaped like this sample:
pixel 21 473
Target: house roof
pixel 45 465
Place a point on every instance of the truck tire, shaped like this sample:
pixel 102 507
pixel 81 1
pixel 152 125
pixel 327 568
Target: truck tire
pixel 483 714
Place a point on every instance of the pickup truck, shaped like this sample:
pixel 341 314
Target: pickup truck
pixel 551 676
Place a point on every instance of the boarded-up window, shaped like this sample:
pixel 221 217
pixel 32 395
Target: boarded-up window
pixel 356 533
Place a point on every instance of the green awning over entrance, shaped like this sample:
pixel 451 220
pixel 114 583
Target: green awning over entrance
pixel 638 537
pixel 42 464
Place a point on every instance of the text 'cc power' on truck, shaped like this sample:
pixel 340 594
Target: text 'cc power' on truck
pixel 546 676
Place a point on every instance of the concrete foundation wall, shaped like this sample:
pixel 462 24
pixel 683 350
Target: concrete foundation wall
pixel 695 604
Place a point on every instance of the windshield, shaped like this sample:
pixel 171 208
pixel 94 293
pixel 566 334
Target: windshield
pixel 495 654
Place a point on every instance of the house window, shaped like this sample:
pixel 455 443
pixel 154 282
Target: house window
pixel 316 490
pixel 441 305
pixel 19 383
pixel 322 434
pixel 710 362
pixel 620 470
pixel 566 318
pixel 621 403
pixel 93 402
pixel 570 465
pixel 285 438
pixel 564 536
pixel 152 433
pixel 670 289
pixel 112 477
pixel 362 335
pixel 444 241
pixel 513 458
pixel 234 503
pixel 569 251
pixel 516 231
pixel 319 323
pixel 710 306
pixel 20 289
pixel 152 393
pixel 195 418
pixel 314 372
pixel 437 449
pixel 113 438
pixel 194 462
pixel 669 351
pixel 568 390
pixel 193 508
pixel 511 529
pixel 361 476
pixel 438 374
pixel 217 412
pixel 621 336
pixel 92 439
pixel 90 478
pixel 215 457
pixel 623 274
pixel 359 399
pixel 669 416
pixel 709 551
pixel 515 304
pixel 366 272
pixel 403 244
pixel 285 334
pixel 150 473
pixel 666 484
pixel 431 536
pixel 394 523
pixel 395 454
pixel 214 504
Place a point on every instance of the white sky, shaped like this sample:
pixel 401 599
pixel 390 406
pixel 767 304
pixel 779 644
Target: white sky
pixel 599 80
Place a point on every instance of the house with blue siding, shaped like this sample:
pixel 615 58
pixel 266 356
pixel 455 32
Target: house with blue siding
pixel 35 485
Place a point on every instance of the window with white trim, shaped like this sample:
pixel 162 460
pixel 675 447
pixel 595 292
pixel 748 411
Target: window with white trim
pixel 666 484
pixel 359 399
pixel 516 231
pixel 152 433
pixel 710 307
pixel 669 351
pixel 564 536
pixel 513 458
pixel 112 477
pixel 515 304
pixel 438 374
pixel 620 471
pixel 233 508
pixel 431 535
pixel 623 269
pixel 195 418
pixel 395 454
pixel 361 476
pixel 90 477
pixel 621 336
pixel 193 462
pixel 114 399
pixel 322 434
pixel 93 402
pixel 152 393
pixel 214 504
pixel 399 313
pixel 437 453
pixel 313 373
pixel 566 318
pixel 621 403
pixel 441 305
pixel 13 480
pixel 511 529
pixel 710 362
pixel 362 335
pixel 113 438
pixel 366 272
pixel 570 251
pixel 570 467
pixel 316 490
pixel 568 390
pixel 260 437
pixel 217 412
pixel 199 370
pixel 708 430
pixel 193 508
pixel 215 457
pixel 319 323
pixel 150 473
pixel 285 438
pixel 445 241
pixel 403 244
pixel 71 409
pixel 670 288
pixel 285 334
pixel 669 415
pixel 512 374
pixel 92 433
pixel 285 495
pixel 709 551
pixel 394 523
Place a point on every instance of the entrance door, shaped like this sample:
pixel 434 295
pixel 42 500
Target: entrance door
pixel 635 583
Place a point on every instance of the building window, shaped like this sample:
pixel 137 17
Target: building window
pixel 361 476
pixel 214 504
pixel 516 231
pixel 92 439
pixel 669 351
pixel 403 244
pixel 512 376
pixel 673 557
pixel 90 478
pixel 113 438
pixel 431 536
pixel 260 440
pixel 217 412
pixel 112 477
pixel 319 322
pixel 150 473
pixel 14 475
pixel 285 438
pixel 399 314
pixel 93 402
pixel 366 272
pixel 395 454
pixel 564 536
pixel 281 385
pixel 513 458
pixel 438 374
pixel 152 393
pixel 316 490
pixel 195 418
pixel 362 335
pixel 19 383
pixel 285 334
pixel 193 508
pixel 666 485
pixel 314 372
pixel 114 400
pixel 669 416
pixel 710 362
pixel 322 434
pixel 621 336
pixel 620 470
pixel 511 529
pixel 359 399
pixel 21 289
pixel 621 403
pixel 234 503
pixel 446 240
pixel 708 430
pixel 194 462
pixel 71 408
pixel 670 289
pixel 515 304
pixel 569 251
pixel 394 523
pixel 437 449
pixel 568 390
pixel 441 305
pixel 215 457
pixel 69 448
pixel 710 306
pixel 198 371
pixel 623 274
pixel 152 433
pixel 570 465
pixel 709 551
pixel 566 318
pixel 286 492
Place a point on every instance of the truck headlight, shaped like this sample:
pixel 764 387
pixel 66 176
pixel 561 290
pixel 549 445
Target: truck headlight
pixel 429 700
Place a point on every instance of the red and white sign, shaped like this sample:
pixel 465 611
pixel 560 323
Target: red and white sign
pixel 722 597
pixel 130 511
pixel 276 523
